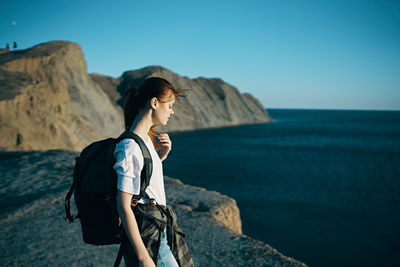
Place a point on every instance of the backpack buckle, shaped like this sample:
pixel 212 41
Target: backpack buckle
pixel 134 202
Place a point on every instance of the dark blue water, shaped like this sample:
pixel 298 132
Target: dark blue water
pixel 322 186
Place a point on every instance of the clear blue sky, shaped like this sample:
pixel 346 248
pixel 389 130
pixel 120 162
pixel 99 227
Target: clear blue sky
pixel 289 54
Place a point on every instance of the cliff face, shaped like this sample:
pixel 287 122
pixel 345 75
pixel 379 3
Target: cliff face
pixel 47 100
pixel 222 209
pixel 108 84
pixel 209 102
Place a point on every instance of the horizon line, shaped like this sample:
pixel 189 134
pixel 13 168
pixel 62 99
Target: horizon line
pixel 337 109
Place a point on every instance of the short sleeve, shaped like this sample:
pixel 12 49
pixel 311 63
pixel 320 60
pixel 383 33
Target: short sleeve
pixel 128 165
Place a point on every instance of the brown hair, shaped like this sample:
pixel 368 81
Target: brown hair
pixel 136 99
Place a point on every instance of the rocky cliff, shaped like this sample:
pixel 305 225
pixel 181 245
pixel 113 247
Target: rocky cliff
pixel 49 101
pixel 32 225
pixel 209 102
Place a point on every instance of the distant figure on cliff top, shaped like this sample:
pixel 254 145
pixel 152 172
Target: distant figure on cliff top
pixel 7 46
pixel 14 45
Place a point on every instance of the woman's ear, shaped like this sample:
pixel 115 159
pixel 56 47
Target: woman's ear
pixel 154 102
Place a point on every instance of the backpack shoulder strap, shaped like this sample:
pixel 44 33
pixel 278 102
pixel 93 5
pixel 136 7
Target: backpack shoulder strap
pixel 67 205
pixel 147 170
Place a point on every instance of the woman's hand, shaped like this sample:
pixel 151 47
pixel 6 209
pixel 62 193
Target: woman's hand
pixel 148 262
pixel 165 146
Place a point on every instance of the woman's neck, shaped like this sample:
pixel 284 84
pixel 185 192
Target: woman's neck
pixel 141 125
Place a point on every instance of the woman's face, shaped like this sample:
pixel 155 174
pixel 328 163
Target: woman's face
pixel 163 110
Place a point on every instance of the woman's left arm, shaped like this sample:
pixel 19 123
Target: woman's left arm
pixel 165 146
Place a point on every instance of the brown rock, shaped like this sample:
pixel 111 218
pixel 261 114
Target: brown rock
pixel 209 103
pixel 48 101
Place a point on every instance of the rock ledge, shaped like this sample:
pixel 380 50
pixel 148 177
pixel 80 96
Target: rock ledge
pixel 33 232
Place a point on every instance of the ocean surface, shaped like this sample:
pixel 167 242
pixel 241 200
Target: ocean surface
pixel 321 186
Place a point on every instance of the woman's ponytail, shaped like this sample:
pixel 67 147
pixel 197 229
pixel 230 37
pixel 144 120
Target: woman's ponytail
pixel 131 107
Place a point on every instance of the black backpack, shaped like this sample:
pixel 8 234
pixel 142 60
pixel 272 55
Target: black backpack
pixel 95 189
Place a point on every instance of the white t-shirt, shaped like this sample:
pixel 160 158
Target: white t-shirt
pixel 129 165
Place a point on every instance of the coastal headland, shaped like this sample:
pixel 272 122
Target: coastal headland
pixel 50 108
pixel 49 101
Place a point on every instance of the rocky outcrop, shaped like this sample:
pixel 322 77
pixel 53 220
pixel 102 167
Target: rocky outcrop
pixel 209 102
pixel 49 101
pixel 108 84
pixel 221 208
pixel 33 231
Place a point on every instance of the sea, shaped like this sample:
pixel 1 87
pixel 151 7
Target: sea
pixel 321 186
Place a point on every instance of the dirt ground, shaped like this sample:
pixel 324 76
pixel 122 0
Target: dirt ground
pixel 34 233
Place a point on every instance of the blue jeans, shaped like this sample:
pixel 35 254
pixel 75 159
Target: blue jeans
pixel 165 256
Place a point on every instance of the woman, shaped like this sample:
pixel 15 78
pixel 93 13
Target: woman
pixel 144 108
